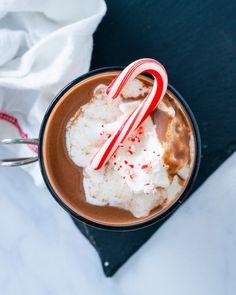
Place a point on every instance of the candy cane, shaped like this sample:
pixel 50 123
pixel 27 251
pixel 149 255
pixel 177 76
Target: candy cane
pixel 136 118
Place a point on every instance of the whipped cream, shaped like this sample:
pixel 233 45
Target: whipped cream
pixel 136 177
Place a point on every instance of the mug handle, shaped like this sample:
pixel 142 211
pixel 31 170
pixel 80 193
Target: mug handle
pixel 13 162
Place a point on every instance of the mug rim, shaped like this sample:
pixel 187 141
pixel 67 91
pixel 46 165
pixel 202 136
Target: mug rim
pixel 183 196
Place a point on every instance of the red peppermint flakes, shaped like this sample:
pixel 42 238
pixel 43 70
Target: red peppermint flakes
pixel 131 149
pixel 145 166
pixel 140 130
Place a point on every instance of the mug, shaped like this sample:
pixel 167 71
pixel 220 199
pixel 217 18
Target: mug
pixel 39 142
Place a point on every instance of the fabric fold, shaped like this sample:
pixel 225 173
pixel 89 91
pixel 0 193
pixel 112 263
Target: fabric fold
pixel 43 46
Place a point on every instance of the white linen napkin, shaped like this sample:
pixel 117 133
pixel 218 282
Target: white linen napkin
pixel 43 46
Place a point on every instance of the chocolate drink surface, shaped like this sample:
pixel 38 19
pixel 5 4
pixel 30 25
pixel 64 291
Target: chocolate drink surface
pixel 143 178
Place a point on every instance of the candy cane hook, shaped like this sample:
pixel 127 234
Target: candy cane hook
pixel 136 118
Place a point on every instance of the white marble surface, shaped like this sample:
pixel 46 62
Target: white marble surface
pixel 41 251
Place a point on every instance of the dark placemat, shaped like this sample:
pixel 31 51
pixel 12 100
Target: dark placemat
pixel 195 40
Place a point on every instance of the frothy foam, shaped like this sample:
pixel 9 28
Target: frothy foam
pixel 136 177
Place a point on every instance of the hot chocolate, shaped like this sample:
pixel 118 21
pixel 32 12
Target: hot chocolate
pixel 144 176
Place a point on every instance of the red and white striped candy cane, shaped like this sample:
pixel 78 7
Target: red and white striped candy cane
pixel 144 65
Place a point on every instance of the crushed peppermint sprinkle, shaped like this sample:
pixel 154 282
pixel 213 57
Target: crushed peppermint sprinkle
pixel 145 166
pixel 131 165
pixel 125 161
pixel 104 133
pixel 131 149
pixel 136 138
